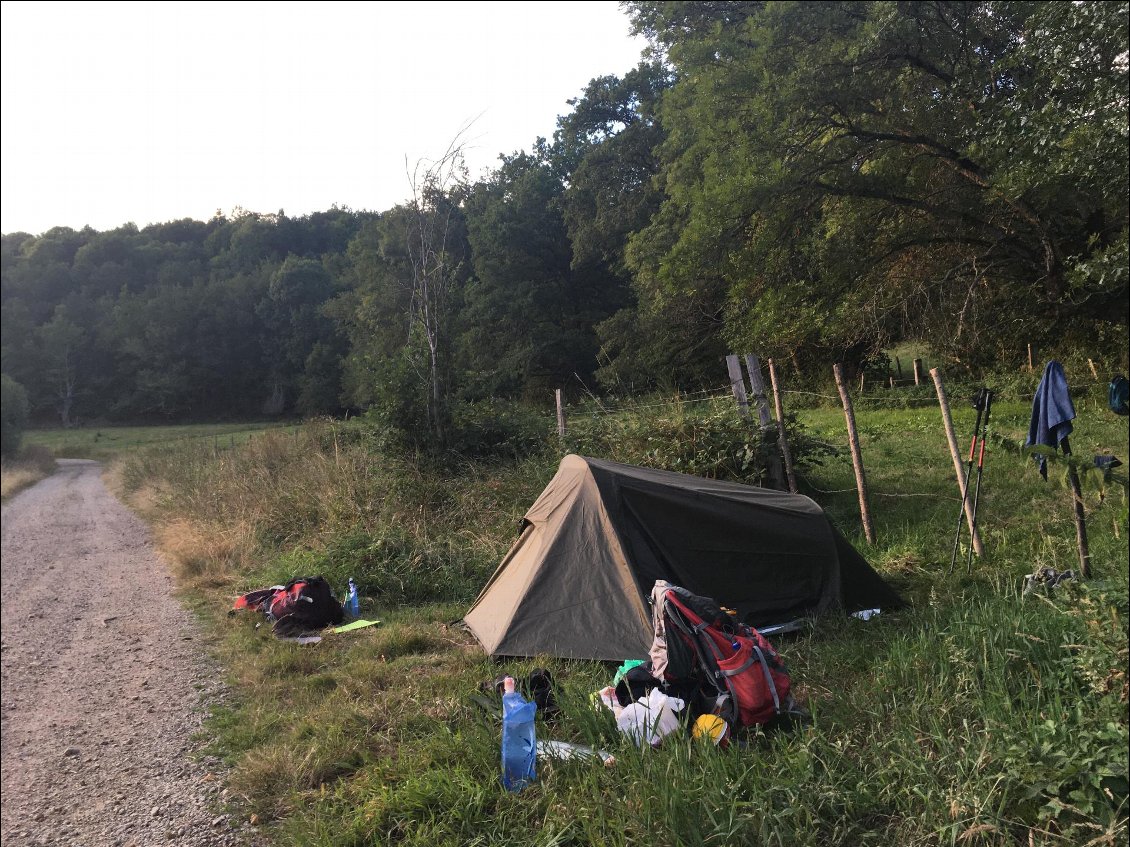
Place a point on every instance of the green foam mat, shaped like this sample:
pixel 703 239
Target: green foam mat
pixel 357 624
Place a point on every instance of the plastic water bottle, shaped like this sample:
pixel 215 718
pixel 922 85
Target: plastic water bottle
pixel 353 602
pixel 519 743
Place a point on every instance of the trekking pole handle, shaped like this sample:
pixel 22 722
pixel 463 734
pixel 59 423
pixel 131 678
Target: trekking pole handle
pixel 985 428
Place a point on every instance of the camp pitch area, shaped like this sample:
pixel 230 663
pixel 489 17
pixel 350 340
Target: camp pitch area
pixel 576 581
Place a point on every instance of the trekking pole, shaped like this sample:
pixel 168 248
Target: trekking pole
pixel 980 470
pixel 980 407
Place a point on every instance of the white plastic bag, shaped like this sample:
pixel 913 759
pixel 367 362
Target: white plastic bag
pixel 606 698
pixel 650 719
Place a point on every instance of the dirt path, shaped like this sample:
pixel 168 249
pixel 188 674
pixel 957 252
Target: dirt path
pixel 104 681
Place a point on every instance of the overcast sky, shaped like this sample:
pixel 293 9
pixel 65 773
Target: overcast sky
pixel 149 112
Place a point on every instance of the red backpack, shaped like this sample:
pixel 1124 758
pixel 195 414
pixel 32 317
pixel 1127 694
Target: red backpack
pixel 696 641
pixel 304 604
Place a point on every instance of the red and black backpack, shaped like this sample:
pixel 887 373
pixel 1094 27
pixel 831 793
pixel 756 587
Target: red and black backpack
pixel 304 604
pixel 696 641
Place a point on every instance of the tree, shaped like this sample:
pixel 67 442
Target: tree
pixel 401 291
pixel 437 260
pixel 605 148
pixel 526 326
pixel 294 323
pixel 609 147
pixel 839 175
pixel 319 386
pixel 62 340
pixel 373 309
pixel 13 416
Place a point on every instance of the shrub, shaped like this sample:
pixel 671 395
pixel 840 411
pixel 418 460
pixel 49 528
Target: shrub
pixel 13 399
pixel 713 442
pixel 499 429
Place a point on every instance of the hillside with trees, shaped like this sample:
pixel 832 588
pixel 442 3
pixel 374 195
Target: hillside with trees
pixel 812 181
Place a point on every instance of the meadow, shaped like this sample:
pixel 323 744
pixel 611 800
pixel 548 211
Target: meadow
pixel 981 715
pixel 104 442
pixel 40 447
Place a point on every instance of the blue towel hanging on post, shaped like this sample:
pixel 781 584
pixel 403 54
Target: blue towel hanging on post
pixel 1052 413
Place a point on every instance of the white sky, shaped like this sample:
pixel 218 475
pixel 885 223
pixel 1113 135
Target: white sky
pixel 149 111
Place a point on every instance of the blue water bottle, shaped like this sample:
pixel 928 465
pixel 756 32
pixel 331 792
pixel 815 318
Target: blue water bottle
pixel 519 743
pixel 353 602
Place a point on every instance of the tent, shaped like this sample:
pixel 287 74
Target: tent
pixel 575 582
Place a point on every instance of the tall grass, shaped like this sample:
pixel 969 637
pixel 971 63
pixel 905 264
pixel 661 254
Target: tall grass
pixel 980 716
pixel 319 499
pixel 33 464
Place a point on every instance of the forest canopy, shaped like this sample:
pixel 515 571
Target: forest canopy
pixel 809 180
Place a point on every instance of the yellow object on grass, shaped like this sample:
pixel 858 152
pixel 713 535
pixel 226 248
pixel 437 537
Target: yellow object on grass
pixel 358 624
pixel 712 728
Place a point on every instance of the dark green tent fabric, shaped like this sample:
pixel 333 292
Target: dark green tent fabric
pixel 594 543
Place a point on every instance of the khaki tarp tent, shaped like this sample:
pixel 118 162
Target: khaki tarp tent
pixel 594 543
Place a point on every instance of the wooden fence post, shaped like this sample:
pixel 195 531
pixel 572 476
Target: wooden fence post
pixel 856 456
pixel 898 366
pixel 757 388
pixel 1094 370
pixel 775 469
pixel 962 482
pixel 1080 517
pixel 1031 366
pixel 737 385
pixel 782 440
pixel 560 415
pixel 917 371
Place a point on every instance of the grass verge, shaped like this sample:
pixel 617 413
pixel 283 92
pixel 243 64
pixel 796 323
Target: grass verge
pixel 33 464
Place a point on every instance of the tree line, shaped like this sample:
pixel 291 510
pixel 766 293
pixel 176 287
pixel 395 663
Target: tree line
pixel 812 181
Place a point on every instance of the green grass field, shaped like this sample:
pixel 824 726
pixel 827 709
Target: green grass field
pixel 40 447
pixel 107 441
pixel 978 716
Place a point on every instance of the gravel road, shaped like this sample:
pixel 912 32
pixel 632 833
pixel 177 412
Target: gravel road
pixel 105 681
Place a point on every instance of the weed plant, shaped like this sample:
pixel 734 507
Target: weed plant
pixel 981 715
